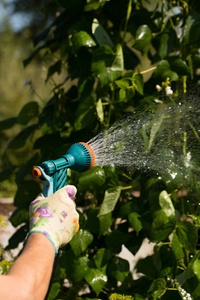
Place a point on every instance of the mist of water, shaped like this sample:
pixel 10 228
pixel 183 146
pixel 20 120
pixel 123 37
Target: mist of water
pixel 165 142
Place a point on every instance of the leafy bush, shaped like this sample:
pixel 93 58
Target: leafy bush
pixel 106 59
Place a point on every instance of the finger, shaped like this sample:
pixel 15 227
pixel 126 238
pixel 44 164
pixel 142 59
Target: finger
pixel 71 191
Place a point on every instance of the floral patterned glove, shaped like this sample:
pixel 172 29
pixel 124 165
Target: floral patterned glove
pixel 55 216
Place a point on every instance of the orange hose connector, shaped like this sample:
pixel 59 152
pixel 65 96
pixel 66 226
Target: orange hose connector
pixel 36 172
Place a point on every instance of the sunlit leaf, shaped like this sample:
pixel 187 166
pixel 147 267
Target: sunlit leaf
pixel 143 39
pixel 96 279
pixel 166 204
pixel 82 39
pixel 110 199
pixel 196 268
pixel 99 109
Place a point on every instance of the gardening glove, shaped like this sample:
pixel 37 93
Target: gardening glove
pixel 55 216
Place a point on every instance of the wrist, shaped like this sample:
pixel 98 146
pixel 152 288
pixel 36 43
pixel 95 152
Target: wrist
pixel 42 241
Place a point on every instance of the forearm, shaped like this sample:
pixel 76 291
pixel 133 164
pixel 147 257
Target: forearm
pixel 29 276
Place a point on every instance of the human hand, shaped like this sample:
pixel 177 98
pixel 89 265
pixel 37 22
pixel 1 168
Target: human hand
pixel 55 216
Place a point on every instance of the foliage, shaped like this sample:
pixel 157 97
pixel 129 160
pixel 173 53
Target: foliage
pixel 120 297
pixel 109 56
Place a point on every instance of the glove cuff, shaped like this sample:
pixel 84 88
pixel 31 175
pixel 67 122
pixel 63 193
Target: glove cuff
pixel 49 238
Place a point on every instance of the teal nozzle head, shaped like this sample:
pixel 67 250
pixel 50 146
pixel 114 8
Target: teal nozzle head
pixel 83 156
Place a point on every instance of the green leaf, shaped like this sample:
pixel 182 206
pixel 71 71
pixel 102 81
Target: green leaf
pixel 122 83
pixel 163 71
pixel 196 268
pixel 29 111
pixel 80 268
pixel 33 54
pixel 116 239
pixel 147 267
pixel 85 113
pixel 154 130
pixel 176 247
pixel 55 68
pixel 100 34
pixel 27 192
pixel 81 241
pixel 107 64
pixel 138 83
pixel 54 291
pixel 102 258
pixel 105 221
pixel 110 199
pixel 126 94
pixel 82 39
pixel 100 112
pixel 143 39
pixel 188 273
pixel 134 219
pixel 91 179
pixel 6 173
pixel 96 279
pixel 158 288
pixel 118 268
pixel 92 5
pixel 163 45
pixel 162 226
pixel 18 237
pixel 21 139
pixel 26 168
pixel 187 235
pixel 180 67
pixel 19 216
pixel 192 34
pixel 150 5
pixel 166 204
pixel 92 224
pixel 5 266
pixel 8 123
